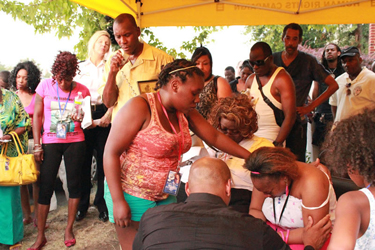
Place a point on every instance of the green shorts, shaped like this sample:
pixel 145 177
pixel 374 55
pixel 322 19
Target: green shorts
pixel 138 206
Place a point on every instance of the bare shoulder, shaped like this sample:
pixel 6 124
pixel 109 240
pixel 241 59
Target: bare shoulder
pixel 223 88
pixel 249 80
pixel 137 106
pixel 283 77
pixel 222 80
pixel 352 196
pixel 351 201
pixel 313 178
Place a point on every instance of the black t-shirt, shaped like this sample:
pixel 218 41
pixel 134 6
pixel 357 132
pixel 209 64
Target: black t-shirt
pixel 233 85
pixel 304 70
pixel 325 107
pixel 204 221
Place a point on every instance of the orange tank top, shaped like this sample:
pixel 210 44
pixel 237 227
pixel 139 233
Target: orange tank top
pixel 153 152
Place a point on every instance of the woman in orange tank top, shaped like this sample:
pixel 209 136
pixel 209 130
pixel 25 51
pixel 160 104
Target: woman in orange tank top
pixel 152 130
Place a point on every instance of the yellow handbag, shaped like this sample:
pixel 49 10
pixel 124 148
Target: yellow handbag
pixel 20 170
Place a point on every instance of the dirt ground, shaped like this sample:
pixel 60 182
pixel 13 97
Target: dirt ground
pixel 90 232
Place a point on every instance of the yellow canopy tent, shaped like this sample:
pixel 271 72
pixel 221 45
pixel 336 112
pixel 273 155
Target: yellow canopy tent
pixel 237 12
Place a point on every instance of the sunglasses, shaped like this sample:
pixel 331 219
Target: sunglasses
pixel 258 62
pixel 348 91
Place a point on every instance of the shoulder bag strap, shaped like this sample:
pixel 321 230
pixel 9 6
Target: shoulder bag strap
pixel 17 142
pixel 4 149
pixel 265 98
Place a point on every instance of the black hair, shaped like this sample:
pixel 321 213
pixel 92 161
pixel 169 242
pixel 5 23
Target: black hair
pixel 293 26
pixel 201 51
pixel 165 76
pixel 267 51
pixel 324 60
pixel 33 75
pixel 246 64
pixel 230 68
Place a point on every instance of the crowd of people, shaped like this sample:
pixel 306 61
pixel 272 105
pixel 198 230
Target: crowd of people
pixel 252 190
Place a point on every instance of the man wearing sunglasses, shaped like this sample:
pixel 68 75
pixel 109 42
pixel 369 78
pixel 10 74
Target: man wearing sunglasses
pixel 304 69
pixel 356 87
pixel 277 86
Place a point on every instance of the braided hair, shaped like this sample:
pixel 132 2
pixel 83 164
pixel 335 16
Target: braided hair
pixel 165 75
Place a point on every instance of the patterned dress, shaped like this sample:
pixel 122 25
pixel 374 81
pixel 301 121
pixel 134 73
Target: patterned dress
pixel 12 116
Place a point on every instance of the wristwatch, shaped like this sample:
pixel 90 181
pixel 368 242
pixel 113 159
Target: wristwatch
pixel 277 144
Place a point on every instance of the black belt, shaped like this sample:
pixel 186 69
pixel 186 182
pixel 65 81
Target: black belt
pixel 99 107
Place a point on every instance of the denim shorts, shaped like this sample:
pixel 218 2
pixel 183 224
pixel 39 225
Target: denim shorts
pixel 138 206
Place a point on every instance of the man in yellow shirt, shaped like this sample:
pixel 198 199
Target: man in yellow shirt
pixel 134 63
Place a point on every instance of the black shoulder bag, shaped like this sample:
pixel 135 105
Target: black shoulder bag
pixel 278 113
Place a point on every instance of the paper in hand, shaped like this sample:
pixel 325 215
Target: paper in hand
pixel 86 107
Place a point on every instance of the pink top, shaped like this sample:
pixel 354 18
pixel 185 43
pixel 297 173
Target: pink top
pixel 151 155
pixel 30 109
pixel 47 90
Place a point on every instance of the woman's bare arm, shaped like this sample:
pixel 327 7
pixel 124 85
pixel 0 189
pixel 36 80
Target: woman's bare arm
pixel 347 221
pixel 128 122
pixel 257 200
pixel 314 191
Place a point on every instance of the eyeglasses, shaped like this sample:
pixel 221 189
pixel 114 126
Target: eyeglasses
pixel 259 62
pixel 231 131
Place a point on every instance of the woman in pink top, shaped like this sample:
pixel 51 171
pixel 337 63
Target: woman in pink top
pixel 152 130
pixel 25 77
pixel 62 136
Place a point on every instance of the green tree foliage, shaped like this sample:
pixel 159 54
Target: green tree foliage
pixel 189 46
pixel 64 17
pixel 61 16
pixel 314 36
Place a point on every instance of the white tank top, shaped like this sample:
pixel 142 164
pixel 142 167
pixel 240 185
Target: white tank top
pixel 367 240
pixel 267 126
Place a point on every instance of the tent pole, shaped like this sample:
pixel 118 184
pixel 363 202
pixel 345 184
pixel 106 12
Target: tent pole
pixel 127 5
pixel 139 13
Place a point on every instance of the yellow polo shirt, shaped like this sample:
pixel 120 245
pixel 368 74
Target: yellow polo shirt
pixel 146 68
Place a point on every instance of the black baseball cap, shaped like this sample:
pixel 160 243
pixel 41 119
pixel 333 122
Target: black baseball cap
pixel 350 51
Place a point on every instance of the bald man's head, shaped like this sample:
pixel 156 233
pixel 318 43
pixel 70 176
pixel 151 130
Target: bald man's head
pixel 125 17
pixel 210 175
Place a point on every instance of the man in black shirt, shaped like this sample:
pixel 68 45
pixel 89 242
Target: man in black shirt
pixel 304 69
pixel 204 220
pixel 323 113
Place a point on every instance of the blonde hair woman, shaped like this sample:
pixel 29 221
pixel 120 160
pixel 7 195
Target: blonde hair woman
pixel 91 76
